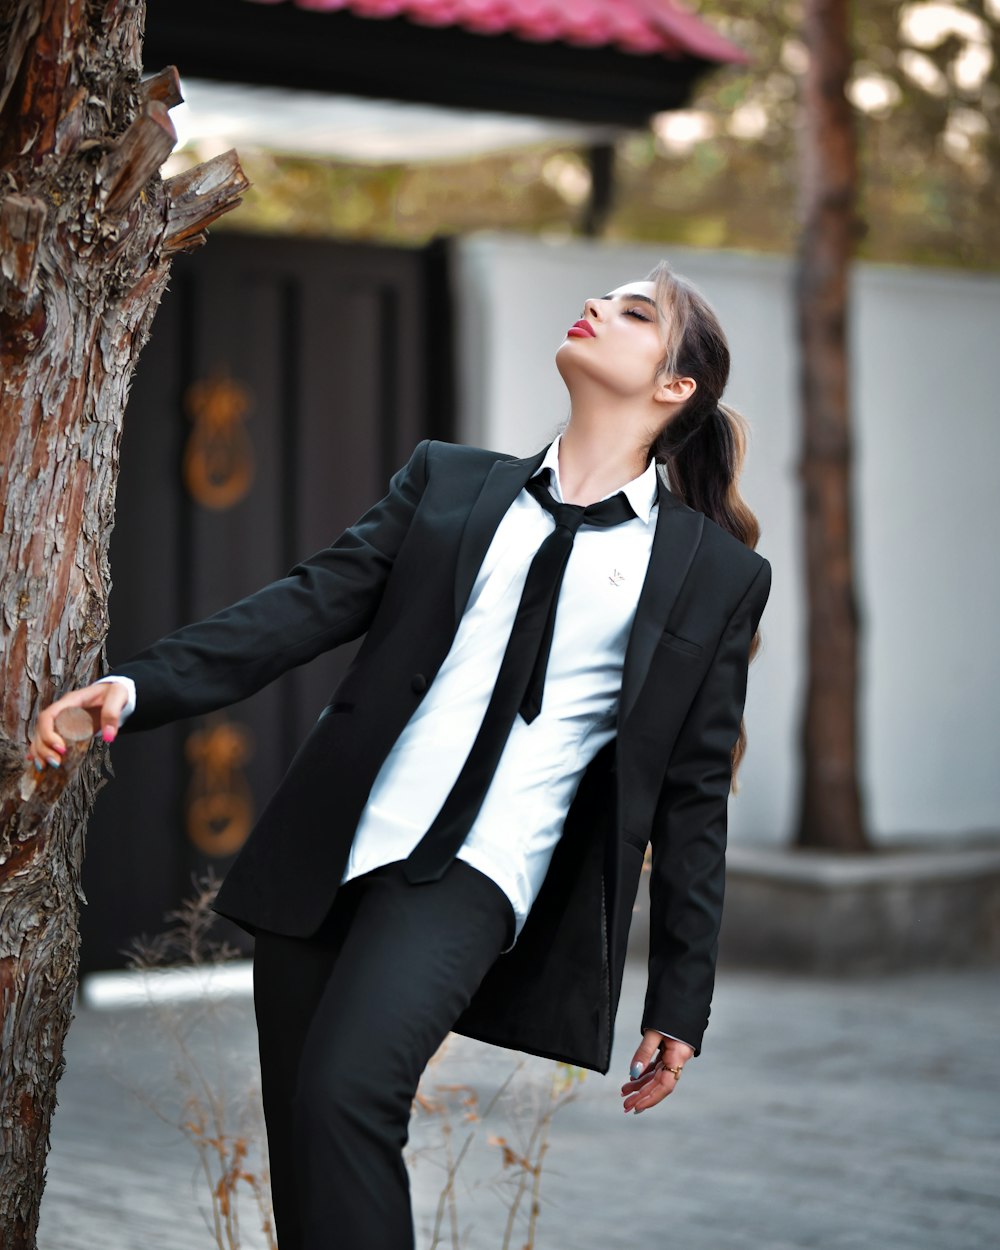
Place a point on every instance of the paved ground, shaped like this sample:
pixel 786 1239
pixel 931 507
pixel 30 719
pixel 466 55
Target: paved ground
pixel 822 1114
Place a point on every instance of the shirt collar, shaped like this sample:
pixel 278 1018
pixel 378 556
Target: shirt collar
pixel 641 492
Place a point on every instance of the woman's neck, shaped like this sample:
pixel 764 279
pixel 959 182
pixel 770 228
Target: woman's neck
pixel 596 457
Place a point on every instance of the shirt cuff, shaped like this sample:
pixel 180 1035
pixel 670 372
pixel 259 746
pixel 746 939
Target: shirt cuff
pixel 674 1038
pixel 129 685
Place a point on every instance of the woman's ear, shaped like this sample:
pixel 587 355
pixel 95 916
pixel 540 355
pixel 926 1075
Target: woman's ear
pixel 674 390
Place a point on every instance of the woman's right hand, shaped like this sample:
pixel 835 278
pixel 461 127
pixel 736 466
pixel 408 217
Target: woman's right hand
pixel 103 700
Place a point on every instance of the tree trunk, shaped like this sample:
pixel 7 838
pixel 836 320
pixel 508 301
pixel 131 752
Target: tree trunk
pixel 830 804
pixel 87 231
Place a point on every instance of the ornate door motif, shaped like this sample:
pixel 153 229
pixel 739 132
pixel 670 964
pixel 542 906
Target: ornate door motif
pixel 218 457
pixel 219 810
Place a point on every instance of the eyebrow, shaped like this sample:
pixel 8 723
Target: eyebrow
pixel 629 295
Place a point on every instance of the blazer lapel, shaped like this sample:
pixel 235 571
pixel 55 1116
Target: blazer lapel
pixel 503 482
pixel 675 540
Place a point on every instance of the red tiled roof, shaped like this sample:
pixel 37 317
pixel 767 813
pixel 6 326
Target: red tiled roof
pixel 647 27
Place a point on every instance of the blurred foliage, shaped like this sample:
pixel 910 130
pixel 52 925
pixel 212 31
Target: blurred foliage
pixel 927 107
pixel 398 203
pixel 721 173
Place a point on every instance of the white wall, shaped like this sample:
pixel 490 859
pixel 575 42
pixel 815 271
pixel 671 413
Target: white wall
pixel 927 446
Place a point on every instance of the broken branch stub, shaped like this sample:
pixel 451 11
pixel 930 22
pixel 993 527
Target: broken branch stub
pixel 41 791
pixel 22 224
pixel 164 87
pixel 198 196
pixel 137 156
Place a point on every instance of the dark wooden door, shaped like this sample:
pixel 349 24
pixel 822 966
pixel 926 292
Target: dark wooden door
pixel 284 382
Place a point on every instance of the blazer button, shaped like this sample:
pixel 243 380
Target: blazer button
pixel 418 684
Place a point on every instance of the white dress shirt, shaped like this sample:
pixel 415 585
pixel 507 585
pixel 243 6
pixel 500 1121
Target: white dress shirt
pixel 520 821
pixel 515 833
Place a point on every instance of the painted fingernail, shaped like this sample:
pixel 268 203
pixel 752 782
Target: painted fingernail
pixel 53 761
pixel 635 1070
pixel 108 733
pixel 61 750
pixel 38 766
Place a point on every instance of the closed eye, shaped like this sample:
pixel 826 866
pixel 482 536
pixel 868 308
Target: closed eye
pixel 634 312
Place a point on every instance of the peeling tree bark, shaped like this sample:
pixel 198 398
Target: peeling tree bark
pixel 87 231
pixel 830 812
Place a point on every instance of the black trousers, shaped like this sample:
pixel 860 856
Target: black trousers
pixel 347 1020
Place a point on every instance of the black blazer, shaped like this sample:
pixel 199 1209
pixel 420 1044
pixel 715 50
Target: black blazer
pixel 401 576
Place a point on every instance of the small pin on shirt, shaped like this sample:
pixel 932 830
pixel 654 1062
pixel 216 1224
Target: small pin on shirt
pixel 616 578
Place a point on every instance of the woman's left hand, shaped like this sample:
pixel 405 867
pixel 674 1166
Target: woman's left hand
pixel 661 1060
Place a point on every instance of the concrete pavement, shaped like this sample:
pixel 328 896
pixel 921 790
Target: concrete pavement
pixel 822 1114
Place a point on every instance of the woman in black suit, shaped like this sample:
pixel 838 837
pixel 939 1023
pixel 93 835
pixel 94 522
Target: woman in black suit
pixel 380 925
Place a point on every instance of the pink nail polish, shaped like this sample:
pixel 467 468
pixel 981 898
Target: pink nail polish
pixel 108 734
pixel 61 750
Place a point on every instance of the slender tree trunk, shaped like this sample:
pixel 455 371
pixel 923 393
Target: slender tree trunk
pixel 87 231
pixel 829 805
pixel 601 200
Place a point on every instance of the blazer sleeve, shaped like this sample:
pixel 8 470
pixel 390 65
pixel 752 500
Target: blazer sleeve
pixel 325 600
pixel 688 835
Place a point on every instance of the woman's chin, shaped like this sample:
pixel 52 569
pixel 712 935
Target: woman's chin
pixel 567 358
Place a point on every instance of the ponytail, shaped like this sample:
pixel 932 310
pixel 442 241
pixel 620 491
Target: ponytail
pixel 703 446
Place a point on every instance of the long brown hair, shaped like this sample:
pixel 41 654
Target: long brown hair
pixel 703 445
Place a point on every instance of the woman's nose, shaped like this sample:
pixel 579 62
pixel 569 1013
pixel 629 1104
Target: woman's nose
pixel 591 309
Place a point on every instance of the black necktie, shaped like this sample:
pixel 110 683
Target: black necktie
pixel 520 680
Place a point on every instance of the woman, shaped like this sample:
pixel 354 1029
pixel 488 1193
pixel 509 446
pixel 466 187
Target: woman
pixel 457 845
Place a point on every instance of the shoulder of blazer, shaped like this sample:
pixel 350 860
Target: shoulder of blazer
pixel 742 556
pixel 743 559
pixel 744 562
pixel 723 555
pixel 452 456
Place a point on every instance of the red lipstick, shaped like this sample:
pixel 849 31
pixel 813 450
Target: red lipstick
pixel 581 330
